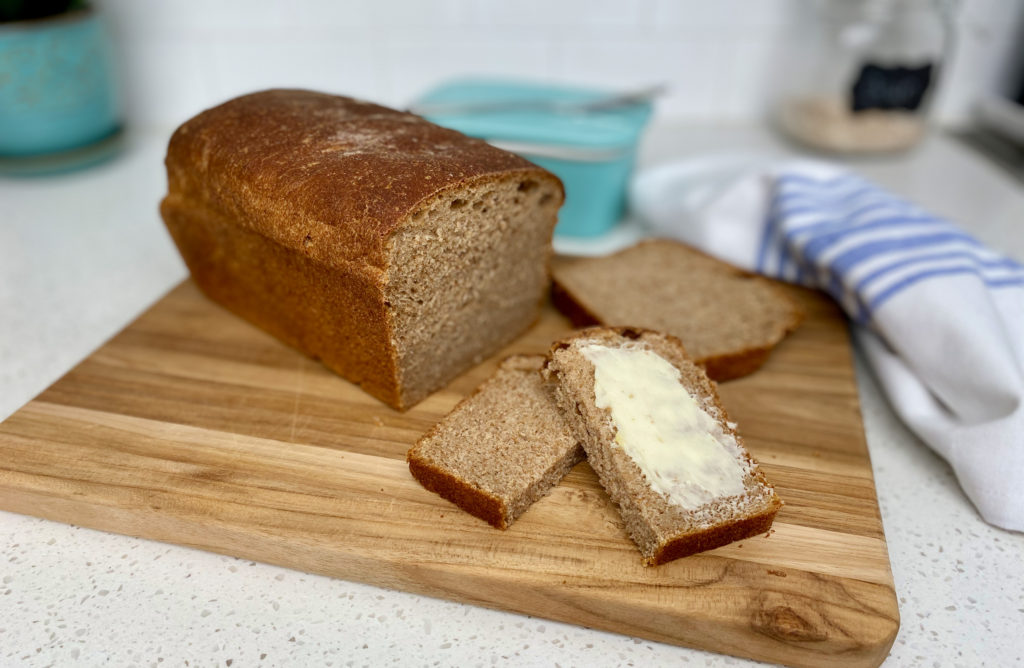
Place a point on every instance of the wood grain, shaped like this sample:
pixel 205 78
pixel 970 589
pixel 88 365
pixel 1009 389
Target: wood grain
pixel 195 428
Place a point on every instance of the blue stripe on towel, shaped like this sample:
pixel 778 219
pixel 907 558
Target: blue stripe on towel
pixel 771 237
pixel 1005 282
pixel 908 281
pixel 810 196
pixel 824 193
pixel 771 220
pixel 818 236
pixel 808 217
pixel 1003 263
pixel 843 218
pixel 790 179
pixel 816 246
pixel 847 260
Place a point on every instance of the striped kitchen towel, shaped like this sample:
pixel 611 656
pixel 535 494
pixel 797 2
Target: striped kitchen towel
pixel 939 315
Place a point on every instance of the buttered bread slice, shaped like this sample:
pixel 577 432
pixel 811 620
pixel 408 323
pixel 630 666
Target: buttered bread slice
pixel 655 432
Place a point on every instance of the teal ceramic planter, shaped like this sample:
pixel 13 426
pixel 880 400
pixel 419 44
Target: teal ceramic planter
pixel 57 84
pixel 593 152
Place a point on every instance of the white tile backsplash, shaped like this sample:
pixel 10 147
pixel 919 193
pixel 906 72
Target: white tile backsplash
pixel 418 64
pixel 723 17
pixel 563 17
pixel 686 67
pixel 620 65
pixel 165 80
pixel 424 16
pixel 180 56
pixel 747 75
pixel 353 67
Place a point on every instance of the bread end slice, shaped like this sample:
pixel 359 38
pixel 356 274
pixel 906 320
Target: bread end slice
pixel 663 529
pixel 500 449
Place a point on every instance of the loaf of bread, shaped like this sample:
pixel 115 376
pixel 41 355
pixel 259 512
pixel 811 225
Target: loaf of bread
pixel 500 449
pixel 728 319
pixel 397 252
pixel 663 448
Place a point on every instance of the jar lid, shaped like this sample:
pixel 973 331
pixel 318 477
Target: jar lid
pixel 543 114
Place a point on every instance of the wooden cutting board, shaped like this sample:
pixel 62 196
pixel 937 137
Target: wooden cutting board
pixel 193 427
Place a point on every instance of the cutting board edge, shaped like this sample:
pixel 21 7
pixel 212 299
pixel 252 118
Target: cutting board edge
pixel 870 651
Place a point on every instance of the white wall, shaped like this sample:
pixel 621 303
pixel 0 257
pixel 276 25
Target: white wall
pixel 181 56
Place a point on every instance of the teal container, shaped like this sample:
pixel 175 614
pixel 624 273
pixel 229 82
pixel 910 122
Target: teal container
pixel 57 84
pixel 593 152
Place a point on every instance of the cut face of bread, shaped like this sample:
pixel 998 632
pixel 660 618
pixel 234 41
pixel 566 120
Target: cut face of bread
pixel 728 319
pixel 656 434
pixel 468 271
pixel 500 449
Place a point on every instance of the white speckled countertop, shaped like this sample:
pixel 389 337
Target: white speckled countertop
pixel 81 255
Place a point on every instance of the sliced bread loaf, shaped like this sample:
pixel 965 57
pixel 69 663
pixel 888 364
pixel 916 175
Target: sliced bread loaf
pixel 728 319
pixel 501 448
pixel 655 432
pixel 397 252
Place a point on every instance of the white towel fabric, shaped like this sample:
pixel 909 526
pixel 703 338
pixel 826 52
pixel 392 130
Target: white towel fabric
pixel 939 316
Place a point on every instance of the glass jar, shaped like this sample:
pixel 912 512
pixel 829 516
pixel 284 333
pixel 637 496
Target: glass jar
pixel 858 76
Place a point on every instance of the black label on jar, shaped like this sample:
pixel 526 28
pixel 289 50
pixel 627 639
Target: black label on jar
pixel 880 87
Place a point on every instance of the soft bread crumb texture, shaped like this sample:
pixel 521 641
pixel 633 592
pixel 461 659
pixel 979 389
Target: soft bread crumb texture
pixel 728 319
pixel 468 272
pixel 662 530
pixel 395 251
pixel 501 449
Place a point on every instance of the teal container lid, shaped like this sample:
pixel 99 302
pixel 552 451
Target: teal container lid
pixel 606 130
pixel 58 87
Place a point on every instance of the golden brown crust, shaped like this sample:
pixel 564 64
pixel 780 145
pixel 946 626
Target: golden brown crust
pixel 572 309
pixel 717 536
pixel 745 362
pixel 334 316
pixel 473 500
pixel 329 177
pixel 721 368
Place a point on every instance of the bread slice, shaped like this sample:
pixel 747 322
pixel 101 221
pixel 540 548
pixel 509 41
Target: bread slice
pixel 728 319
pixel 501 448
pixel 655 432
